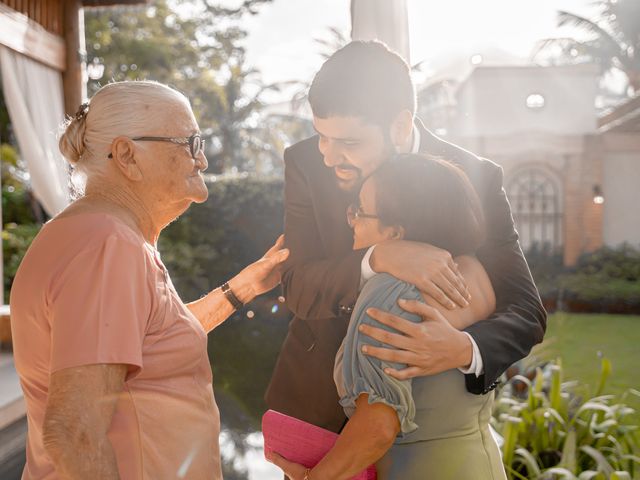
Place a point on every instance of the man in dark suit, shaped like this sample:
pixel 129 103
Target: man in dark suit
pixel 363 104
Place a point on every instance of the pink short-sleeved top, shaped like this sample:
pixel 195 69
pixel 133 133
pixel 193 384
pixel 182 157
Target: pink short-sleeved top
pixel 90 290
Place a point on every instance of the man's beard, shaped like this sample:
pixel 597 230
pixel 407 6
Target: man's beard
pixel 353 185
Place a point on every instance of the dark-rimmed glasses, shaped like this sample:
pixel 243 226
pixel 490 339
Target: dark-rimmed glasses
pixel 195 142
pixel 354 211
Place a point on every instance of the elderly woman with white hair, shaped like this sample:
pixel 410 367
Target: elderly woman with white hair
pixel 112 363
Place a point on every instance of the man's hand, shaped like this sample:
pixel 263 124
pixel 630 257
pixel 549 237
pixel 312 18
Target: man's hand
pixel 428 348
pixel 431 269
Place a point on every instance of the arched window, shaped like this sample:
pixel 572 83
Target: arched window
pixel 537 210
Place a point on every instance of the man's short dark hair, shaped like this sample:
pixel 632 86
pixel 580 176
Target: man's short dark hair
pixel 363 79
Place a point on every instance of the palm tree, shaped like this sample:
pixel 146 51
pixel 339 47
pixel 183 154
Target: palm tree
pixel 613 38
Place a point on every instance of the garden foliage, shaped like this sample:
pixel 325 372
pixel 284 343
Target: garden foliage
pixel 605 281
pixel 561 430
pixel 209 244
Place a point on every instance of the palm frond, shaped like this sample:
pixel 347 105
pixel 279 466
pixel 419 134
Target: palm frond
pixel 571 19
pixel 573 51
pixel 623 17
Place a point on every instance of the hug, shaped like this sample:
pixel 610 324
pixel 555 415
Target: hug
pixel 401 236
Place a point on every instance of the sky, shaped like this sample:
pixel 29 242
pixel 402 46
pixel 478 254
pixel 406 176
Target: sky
pixel 281 37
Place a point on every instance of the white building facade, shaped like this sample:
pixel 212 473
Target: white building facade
pixel 572 177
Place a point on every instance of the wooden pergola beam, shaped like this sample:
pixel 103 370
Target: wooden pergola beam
pixel 108 3
pixel 28 38
pixel 66 53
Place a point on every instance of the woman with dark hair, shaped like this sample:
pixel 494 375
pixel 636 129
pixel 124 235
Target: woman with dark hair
pixel 425 427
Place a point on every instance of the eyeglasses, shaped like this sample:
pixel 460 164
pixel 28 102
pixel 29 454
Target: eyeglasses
pixel 195 142
pixel 355 211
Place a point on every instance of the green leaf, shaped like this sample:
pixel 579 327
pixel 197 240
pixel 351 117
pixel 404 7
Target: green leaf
pixel 588 433
pixel 552 473
pixel 594 407
pixel 568 459
pixel 511 473
pixel 620 475
pixel 528 460
pixel 591 475
pixel 510 438
pixel 555 396
pixel 523 379
pixel 504 401
pixel 633 458
pixel 557 417
pixel 604 375
pixel 603 465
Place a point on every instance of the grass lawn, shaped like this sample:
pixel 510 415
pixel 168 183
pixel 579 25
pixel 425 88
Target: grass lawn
pixel 580 339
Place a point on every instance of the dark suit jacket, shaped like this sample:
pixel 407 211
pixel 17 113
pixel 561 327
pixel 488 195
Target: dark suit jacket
pixel 322 276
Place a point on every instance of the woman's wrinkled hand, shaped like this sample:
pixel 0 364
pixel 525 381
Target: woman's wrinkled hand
pixel 264 274
pixel 294 471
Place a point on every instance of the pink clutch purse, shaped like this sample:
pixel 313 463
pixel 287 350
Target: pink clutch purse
pixel 301 442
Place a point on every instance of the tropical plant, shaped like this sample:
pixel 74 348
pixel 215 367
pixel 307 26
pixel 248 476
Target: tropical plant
pixel 15 242
pixel 612 38
pixel 562 430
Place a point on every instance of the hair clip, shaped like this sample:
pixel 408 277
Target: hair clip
pixel 82 111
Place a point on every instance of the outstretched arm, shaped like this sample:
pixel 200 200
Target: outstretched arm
pixel 255 279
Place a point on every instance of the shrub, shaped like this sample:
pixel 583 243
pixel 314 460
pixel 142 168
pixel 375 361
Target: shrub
pixel 555 432
pixel 598 292
pixel 607 280
pixel 620 263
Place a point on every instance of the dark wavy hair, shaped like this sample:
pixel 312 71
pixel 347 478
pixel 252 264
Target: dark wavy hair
pixel 363 79
pixel 433 200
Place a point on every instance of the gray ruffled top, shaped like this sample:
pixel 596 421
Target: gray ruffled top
pixel 444 428
pixel 356 373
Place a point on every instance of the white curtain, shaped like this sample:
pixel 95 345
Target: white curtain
pixel 384 20
pixel 34 97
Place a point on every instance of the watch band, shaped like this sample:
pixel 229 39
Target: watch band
pixel 228 293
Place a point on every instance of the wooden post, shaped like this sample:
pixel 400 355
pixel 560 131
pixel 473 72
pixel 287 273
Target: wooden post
pixel 74 76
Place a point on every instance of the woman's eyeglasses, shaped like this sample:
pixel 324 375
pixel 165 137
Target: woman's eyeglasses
pixel 195 142
pixel 355 211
